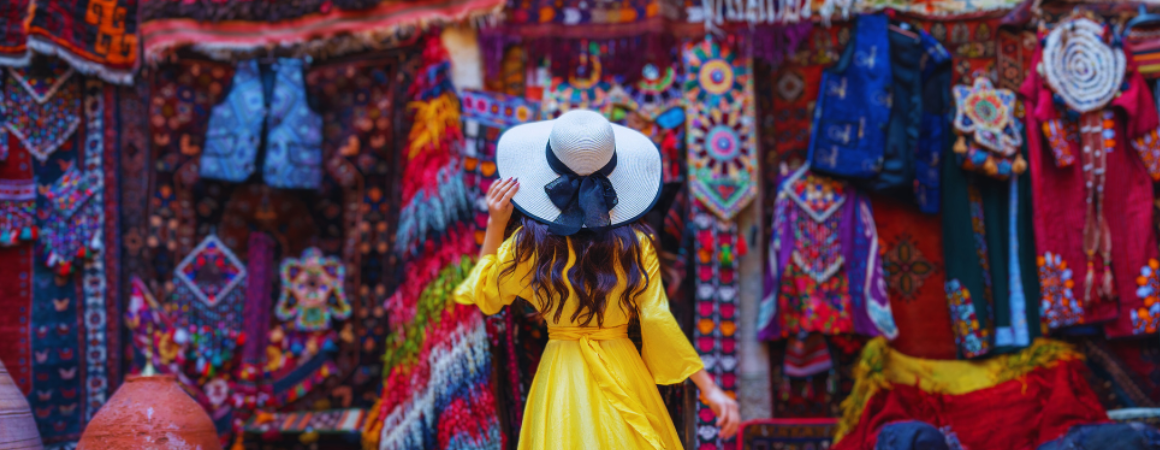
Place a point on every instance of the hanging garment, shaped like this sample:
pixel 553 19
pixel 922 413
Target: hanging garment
pixel 824 271
pixel 235 128
pixel 293 131
pixel 934 130
pixel 990 261
pixel 896 172
pixel 1095 263
pixel 853 108
pixel 294 142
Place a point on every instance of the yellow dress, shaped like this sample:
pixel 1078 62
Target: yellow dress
pixel 593 390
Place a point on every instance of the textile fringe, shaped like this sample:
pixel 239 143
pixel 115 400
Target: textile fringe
pixel 880 367
pixel 46 47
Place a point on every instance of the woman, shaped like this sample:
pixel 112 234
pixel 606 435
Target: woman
pixel 587 264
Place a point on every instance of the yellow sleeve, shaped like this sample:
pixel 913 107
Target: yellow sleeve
pixel 665 349
pixel 484 286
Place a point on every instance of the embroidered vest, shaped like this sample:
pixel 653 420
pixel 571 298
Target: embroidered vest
pixel 854 105
pixel 235 128
pixel 293 131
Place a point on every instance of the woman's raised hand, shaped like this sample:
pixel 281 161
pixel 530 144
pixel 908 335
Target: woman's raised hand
pixel 499 201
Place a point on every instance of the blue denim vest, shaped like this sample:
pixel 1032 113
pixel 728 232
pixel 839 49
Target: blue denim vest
pixel 853 108
pixel 294 141
pixel 293 131
pixel 235 128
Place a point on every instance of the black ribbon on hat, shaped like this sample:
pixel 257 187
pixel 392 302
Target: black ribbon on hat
pixel 584 201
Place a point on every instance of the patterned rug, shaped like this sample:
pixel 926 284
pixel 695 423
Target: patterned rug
pixel 787 434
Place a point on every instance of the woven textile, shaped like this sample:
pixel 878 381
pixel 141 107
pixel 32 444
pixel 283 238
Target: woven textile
pixel 787 434
pixel 915 271
pixel 437 390
pixel 716 247
pixel 73 361
pixel 317 26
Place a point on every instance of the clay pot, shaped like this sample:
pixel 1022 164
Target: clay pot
pixel 17 428
pixel 150 413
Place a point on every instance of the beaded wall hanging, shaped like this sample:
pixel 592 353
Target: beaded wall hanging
pixel 989 135
pixel 309 284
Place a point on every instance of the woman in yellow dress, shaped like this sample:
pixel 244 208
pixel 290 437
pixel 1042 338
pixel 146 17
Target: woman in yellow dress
pixel 582 257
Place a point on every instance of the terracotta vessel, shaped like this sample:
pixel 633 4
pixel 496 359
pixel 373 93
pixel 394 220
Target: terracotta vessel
pixel 150 413
pixel 17 428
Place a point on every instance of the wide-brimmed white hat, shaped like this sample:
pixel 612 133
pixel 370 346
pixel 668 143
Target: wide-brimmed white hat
pixel 610 165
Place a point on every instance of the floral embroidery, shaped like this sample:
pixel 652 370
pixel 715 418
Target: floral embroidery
pixel 50 108
pixel 808 305
pixel 1146 318
pixel 311 282
pixel 1058 306
pixel 970 336
pixel 1148 146
pixel 17 209
pixel 906 267
pixel 1059 134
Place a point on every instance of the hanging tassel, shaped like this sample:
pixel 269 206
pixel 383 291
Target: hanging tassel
pixel 26 233
pixel 1019 166
pixel 961 145
pixel 1089 280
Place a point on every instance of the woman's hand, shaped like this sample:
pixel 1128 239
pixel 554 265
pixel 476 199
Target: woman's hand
pixel 499 212
pixel 725 408
pixel 499 201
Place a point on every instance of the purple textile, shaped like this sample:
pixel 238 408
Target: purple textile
pixel 260 270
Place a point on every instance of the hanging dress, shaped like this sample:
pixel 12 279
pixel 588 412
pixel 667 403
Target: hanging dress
pixel 593 389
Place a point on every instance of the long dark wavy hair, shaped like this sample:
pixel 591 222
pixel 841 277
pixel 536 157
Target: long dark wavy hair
pixel 594 274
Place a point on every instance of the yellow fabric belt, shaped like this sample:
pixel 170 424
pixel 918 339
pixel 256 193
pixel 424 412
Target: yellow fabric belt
pixel 630 407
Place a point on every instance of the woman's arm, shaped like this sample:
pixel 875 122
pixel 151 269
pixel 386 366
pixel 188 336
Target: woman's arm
pixel 723 406
pixel 499 212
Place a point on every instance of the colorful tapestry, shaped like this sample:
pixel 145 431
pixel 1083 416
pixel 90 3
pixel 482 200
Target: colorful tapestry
pixel 1092 260
pixel 716 247
pixel 74 361
pixel 915 271
pixel 362 114
pixel 349 216
pixel 787 434
pixel 312 291
pixel 437 390
pixel 319 26
pixel 98 37
pixel 721 136
pixel 1011 402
